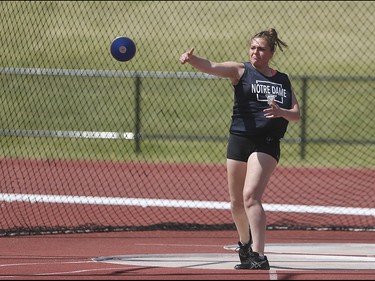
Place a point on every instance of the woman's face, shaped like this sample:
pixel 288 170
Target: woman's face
pixel 260 52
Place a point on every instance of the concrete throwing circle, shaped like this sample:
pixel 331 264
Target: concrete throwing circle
pixel 302 256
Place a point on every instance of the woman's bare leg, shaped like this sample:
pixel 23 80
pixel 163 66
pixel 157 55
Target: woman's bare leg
pixel 236 172
pixel 259 170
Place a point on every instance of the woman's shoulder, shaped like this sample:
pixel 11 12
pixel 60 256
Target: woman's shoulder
pixel 284 74
pixel 281 75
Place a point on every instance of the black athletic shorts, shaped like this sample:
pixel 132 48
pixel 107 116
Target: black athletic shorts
pixel 241 147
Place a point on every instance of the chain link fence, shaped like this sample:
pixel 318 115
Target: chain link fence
pixel 88 143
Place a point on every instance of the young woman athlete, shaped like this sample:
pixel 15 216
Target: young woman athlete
pixel 264 103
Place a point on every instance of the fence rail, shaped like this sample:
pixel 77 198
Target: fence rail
pixel 138 136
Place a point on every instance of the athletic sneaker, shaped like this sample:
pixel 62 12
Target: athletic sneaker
pixel 244 251
pixel 254 262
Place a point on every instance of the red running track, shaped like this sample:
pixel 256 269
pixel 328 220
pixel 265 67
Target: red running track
pixel 69 256
pixel 333 187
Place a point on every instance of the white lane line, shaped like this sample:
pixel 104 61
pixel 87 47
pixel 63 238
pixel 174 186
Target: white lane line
pixel 42 263
pixel 194 204
pixel 273 274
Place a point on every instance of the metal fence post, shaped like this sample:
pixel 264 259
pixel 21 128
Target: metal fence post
pixel 137 135
pixel 303 117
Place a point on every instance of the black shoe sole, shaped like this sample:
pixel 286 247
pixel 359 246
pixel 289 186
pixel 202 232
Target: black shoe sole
pixel 248 267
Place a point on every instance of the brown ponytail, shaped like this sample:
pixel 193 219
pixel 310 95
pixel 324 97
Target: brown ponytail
pixel 272 38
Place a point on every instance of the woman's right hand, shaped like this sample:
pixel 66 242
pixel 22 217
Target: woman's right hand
pixel 185 57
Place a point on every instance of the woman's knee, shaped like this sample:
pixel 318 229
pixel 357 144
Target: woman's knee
pixel 237 205
pixel 251 200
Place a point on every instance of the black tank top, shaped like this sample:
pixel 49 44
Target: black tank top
pixel 250 99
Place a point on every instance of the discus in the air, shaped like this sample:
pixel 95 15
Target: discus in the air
pixel 123 48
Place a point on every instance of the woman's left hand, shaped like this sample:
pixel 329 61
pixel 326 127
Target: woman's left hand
pixel 274 111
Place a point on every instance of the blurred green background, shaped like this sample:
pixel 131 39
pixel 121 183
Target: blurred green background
pixel 330 47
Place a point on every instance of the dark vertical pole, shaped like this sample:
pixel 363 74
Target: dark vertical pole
pixel 303 118
pixel 137 114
